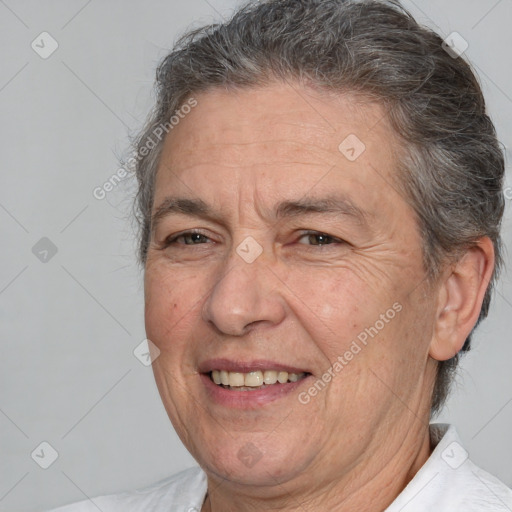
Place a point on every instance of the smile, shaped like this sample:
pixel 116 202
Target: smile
pixel 254 380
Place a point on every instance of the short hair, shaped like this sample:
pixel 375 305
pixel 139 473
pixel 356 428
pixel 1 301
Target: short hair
pixel 453 166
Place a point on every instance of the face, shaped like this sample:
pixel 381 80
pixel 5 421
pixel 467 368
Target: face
pixel 281 249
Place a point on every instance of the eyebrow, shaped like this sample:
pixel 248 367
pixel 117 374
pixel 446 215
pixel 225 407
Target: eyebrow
pixel 335 204
pixel 176 205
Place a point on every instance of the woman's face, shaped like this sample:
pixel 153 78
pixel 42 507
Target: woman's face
pixel 281 252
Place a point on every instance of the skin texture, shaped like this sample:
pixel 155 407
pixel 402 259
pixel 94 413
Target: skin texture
pixel 359 441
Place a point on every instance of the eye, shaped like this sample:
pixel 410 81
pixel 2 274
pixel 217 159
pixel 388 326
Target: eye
pixel 188 238
pixel 317 238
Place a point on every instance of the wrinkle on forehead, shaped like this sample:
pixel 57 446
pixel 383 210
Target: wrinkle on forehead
pixel 257 146
pixel 234 123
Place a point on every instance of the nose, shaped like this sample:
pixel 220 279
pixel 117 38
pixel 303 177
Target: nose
pixel 243 296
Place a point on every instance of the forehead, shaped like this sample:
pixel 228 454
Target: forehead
pixel 251 115
pixel 283 137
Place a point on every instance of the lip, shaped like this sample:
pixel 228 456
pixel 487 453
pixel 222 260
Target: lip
pixel 231 365
pixel 249 399
pixel 254 399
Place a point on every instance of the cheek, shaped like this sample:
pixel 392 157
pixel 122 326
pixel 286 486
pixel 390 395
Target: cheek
pixel 330 308
pixel 329 299
pixel 414 329
pixel 171 301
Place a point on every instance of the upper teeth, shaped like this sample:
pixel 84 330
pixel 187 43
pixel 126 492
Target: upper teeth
pixel 254 379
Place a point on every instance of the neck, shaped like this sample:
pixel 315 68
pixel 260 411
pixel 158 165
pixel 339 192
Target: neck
pixel 371 486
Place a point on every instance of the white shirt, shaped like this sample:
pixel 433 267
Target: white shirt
pixel 447 482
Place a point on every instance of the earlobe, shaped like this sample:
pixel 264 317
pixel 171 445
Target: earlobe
pixel 460 296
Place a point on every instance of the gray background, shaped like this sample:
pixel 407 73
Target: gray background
pixel 69 325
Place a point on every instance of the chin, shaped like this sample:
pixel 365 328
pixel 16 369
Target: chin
pixel 247 465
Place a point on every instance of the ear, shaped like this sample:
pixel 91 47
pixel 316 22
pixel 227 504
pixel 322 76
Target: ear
pixel 460 296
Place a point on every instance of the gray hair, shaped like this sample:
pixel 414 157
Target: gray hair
pixel 452 173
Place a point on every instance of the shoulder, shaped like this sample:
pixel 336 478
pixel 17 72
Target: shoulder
pixel 184 492
pixel 483 491
pixel 449 481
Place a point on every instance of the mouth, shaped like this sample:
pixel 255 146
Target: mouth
pixel 253 380
pixel 250 384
